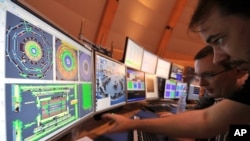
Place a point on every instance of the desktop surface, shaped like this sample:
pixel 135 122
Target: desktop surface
pixel 128 136
pixel 123 136
pixel 96 129
pixel 155 108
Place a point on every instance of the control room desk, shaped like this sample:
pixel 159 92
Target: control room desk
pixel 92 128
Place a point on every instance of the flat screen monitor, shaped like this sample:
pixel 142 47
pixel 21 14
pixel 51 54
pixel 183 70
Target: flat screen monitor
pixel 176 72
pixel 170 88
pixel 161 86
pixel 133 54
pixel 181 89
pixel 110 83
pixel 193 92
pixel 151 86
pixel 135 85
pixel 149 62
pixel 163 68
pixel 46 78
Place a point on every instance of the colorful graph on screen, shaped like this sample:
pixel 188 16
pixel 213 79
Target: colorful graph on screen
pixel 66 61
pixel 29 51
pixel 47 79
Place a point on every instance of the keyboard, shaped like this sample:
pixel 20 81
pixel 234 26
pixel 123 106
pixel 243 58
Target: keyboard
pixel 139 135
pixel 158 107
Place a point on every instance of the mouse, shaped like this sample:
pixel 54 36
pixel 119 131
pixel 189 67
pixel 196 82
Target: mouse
pixel 98 116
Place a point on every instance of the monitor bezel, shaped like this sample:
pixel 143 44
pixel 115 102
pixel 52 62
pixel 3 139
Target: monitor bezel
pixel 144 58
pixel 182 83
pixel 127 48
pixel 169 69
pixel 172 98
pixel 179 67
pixel 94 94
pixel 192 96
pixel 46 24
pixel 137 100
pixel 147 75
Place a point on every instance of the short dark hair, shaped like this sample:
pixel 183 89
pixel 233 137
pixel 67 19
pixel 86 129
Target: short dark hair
pixel 205 51
pixel 226 7
pixel 208 50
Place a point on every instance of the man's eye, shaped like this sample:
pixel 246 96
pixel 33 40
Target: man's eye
pixel 219 41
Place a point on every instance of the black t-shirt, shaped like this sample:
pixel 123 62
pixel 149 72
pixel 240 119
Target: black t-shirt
pixel 204 102
pixel 243 96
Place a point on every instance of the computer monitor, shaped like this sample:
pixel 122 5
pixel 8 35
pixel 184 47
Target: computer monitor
pixel 45 90
pixel 110 76
pixel 151 86
pixel 135 85
pixel 176 72
pixel 161 86
pixel 133 54
pixel 193 92
pixel 149 62
pixel 170 88
pixel 181 89
pixel 163 68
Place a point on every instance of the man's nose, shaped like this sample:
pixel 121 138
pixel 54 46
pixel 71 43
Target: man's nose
pixel 220 56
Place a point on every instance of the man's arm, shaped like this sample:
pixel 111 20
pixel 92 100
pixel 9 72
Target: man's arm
pixel 195 124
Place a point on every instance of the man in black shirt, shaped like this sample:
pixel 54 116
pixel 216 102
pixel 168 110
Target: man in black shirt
pixel 218 81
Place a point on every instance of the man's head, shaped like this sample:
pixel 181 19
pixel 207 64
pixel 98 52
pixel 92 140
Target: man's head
pixel 218 80
pixel 224 24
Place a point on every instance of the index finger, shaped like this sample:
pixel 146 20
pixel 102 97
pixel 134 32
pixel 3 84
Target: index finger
pixel 108 115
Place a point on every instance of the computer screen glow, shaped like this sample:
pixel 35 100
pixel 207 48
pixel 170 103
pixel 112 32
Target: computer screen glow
pixel 110 83
pixel 135 85
pixel 163 68
pixel 193 92
pixel 181 89
pixel 176 72
pixel 151 86
pixel 45 89
pixel 133 54
pixel 149 62
pixel 170 88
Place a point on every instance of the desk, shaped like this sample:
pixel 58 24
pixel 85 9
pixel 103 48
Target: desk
pixel 93 128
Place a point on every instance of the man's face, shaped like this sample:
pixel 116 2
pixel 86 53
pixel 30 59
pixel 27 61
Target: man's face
pixel 229 36
pixel 218 86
